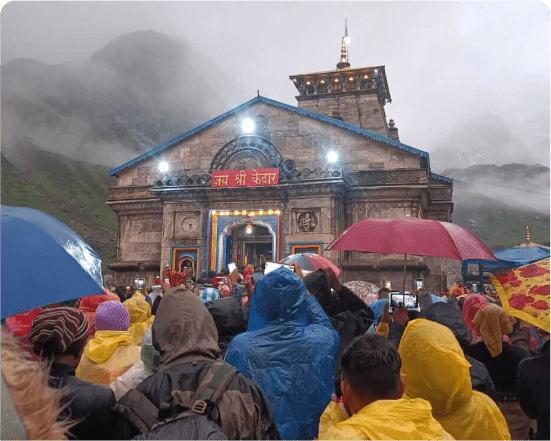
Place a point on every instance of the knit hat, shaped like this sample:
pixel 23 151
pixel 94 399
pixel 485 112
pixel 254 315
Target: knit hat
pixel 55 330
pixel 112 316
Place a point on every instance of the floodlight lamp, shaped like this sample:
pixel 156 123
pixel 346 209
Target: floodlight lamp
pixel 249 229
pixel 247 125
pixel 332 156
pixel 163 167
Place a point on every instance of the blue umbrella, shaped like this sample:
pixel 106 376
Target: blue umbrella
pixel 43 261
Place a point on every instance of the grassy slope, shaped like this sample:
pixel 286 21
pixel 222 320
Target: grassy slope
pixel 72 191
pixel 500 225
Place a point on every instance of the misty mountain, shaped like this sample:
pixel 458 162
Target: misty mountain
pixel 488 140
pixel 140 90
pixel 498 202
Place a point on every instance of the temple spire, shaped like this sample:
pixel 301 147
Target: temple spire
pixel 343 62
pixel 528 238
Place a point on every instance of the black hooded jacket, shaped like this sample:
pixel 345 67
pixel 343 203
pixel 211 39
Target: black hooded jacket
pixel 229 320
pixel 89 404
pixel 533 389
pixel 350 316
pixel 185 335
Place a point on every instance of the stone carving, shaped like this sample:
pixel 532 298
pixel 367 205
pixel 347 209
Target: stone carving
pixel 244 150
pixel 307 220
pixel 186 223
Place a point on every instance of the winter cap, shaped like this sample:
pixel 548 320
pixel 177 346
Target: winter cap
pixel 112 316
pixel 55 330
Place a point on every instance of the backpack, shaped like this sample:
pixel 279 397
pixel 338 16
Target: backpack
pixel 178 420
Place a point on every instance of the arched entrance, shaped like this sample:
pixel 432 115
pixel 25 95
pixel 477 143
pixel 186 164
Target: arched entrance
pixel 246 242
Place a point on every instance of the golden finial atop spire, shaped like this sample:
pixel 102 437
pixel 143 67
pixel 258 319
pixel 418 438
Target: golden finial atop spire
pixel 343 63
pixel 528 238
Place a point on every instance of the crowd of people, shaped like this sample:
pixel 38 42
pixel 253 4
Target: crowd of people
pixel 283 356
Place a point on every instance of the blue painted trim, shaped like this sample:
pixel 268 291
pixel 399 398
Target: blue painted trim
pixel 440 178
pixel 260 99
pixel 309 242
pixel 185 246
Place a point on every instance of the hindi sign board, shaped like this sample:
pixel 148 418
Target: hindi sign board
pixel 258 177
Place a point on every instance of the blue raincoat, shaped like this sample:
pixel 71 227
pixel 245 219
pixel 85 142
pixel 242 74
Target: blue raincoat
pixel 289 351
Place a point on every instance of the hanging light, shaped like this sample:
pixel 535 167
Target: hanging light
pixel 249 229
pixel 163 167
pixel 332 156
pixel 278 212
pixel 247 125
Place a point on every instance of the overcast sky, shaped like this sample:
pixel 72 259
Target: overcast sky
pixel 446 62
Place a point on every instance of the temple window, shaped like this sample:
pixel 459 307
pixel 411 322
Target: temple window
pixel 336 86
pixel 322 86
pixel 309 88
pixel 351 83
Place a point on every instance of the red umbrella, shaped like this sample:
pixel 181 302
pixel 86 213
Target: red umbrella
pixel 311 262
pixel 407 235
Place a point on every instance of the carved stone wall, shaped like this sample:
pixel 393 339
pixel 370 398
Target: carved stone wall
pixel 140 237
pixel 296 137
pixel 187 224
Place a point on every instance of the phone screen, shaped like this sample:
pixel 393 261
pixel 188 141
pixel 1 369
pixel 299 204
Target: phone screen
pixel 402 300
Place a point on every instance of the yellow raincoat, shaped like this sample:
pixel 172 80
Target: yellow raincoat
pixel 108 355
pixel 140 317
pixel 435 369
pixel 383 419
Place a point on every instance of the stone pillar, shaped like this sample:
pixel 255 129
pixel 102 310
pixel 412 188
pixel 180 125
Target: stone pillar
pixel 393 131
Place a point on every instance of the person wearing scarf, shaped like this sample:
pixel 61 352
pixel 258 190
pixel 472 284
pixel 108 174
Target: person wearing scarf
pixel 471 305
pixel 501 359
pixel 111 352
pixel 140 317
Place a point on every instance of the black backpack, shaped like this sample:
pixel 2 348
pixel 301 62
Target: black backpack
pixel 178 420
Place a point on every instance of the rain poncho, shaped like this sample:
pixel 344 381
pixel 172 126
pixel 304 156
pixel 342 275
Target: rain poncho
pixel 435 369
pixel 140 317
pixel 289 351
pixel 377 307
pixel 383 419
pixel 147 366
pixel 208 294
pixel 108 355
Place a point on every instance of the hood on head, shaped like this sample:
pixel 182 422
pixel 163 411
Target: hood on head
pixel 318 285
pixel 279 297
pixel 139 309
pixel 227 314
pixel 434 367
pixel 183 329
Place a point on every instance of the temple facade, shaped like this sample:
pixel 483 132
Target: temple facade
pixel 267 179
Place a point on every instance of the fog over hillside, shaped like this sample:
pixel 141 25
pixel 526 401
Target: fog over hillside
pixel 140 90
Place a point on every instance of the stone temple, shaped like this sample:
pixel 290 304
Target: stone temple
pixel 267 179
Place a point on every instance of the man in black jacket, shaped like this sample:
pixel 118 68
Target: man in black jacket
pixel 229 320
pixel 185 335
pixel 59 335
pixel 533 389
pixel 350 316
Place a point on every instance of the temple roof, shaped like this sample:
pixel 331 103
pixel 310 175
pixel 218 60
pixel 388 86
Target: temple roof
pixel 260 99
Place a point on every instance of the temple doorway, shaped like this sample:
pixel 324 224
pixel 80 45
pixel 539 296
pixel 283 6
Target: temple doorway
pixel 249 244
